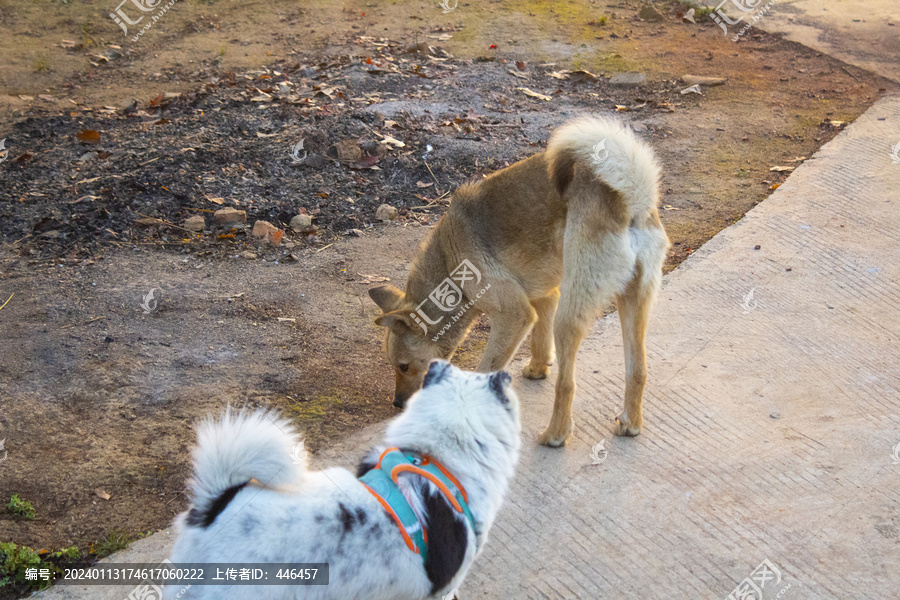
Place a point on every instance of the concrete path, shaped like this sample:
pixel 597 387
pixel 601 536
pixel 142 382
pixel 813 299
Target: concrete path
pixel 772 412
pixel 865 33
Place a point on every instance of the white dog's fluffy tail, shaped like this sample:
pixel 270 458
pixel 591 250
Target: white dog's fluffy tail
pixel 239 447
pixel 609 151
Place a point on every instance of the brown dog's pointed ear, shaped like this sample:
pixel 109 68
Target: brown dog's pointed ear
pixel 397 321
pixel 387 297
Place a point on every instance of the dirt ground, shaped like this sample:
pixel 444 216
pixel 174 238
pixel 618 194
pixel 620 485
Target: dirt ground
pixel 97 397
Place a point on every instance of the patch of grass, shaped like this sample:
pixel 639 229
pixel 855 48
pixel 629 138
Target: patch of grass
pixel 115 540
pixel 16 560
pixel 21 508
pixel 316 408
pixel 222 51
pixel 41 65
pixel 69 554
pixel 701 15
pixel 87 33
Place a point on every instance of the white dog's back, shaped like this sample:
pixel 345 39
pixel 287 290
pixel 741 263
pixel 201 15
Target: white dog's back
pixel 289 517
pixel 254 504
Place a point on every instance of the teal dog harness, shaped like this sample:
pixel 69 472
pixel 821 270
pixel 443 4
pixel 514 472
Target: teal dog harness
pixel 381 481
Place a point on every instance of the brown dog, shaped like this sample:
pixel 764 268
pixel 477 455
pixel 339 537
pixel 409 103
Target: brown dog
pixel 575 226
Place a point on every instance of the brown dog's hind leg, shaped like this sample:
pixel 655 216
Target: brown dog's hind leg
pixel 542 354
pixel 634 311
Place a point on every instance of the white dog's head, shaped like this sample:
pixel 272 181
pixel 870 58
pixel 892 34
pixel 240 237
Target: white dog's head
pixel 469 422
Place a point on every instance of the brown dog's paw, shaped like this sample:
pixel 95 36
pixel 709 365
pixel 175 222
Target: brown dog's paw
pixel 556 439
pixel 624 428
pixel 532 372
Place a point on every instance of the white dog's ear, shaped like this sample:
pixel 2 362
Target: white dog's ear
pixel 397 321
pixel 500 382
pixel 387 297
pixel 437 370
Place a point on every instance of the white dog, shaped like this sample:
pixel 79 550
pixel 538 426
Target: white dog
pixel 457 444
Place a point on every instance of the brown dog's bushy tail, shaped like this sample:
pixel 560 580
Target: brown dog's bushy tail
pixel 608 151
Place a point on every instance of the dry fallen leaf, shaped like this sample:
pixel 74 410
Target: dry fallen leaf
pixel 89 136
pixel 534 94
pixel 781 169
pixel 368 279
pixel 393 142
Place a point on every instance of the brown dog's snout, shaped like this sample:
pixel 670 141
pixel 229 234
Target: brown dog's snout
pixel 400 398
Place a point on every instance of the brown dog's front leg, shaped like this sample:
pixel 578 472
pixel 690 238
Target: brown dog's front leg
pixel 508 330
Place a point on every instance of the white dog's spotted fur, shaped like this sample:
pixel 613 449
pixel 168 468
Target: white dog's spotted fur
pixel 468 422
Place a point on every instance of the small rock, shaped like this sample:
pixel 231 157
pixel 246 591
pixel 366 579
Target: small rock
pixel 648 13
pixel 264 229
pixel 628 79
pixel 229 216
pixel 195 223
pixel 386 212
pixel 345 151
pixel 248 255
pixel 356 232
pixel 314 160
pixel 301 223
pixel 702 80
pixel 421 47
pixel 775 415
